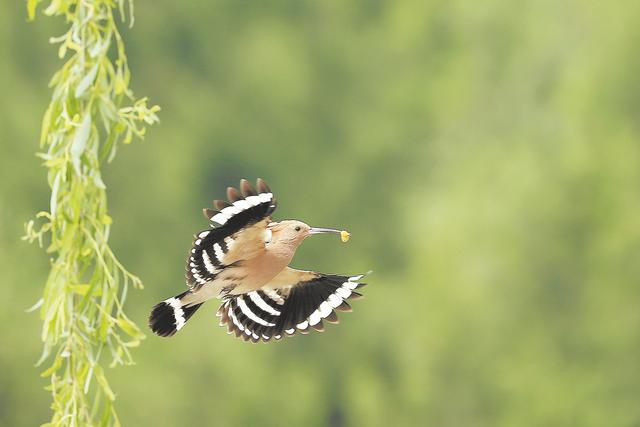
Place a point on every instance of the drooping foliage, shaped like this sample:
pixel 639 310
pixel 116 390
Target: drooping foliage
pixel 92 112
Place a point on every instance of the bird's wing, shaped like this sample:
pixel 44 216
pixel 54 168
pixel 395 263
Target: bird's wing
pixel 294 301
pixel 240 233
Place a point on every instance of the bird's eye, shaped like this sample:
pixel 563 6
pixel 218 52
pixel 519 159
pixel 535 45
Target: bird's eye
pixel 298 228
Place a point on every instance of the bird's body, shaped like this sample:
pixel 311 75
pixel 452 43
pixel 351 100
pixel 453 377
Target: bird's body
pixel 245 276
pixel 245 262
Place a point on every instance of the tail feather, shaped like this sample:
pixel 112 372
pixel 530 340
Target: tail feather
pixel 169 316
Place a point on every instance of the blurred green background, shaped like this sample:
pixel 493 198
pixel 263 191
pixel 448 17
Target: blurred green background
pixel 485 156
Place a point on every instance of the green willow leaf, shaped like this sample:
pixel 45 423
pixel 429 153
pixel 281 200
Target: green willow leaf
pixel 86 81
pixel 80 141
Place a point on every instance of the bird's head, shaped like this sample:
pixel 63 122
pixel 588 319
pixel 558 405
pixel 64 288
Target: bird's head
pixel 291 233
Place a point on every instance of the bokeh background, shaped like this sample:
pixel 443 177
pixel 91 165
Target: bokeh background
pixel 485 156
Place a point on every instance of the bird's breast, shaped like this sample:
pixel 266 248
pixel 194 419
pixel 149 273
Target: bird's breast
pixel 254 273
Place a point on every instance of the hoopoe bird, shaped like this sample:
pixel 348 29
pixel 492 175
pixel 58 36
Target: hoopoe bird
pixel 244 261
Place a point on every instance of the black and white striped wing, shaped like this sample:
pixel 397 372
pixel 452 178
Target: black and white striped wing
pixel 238 231
pixel 270 313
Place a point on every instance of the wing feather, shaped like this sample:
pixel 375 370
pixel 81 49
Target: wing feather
pixel 295 301
pixel 237 233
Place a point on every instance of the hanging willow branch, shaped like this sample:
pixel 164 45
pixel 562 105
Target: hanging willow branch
pixel 92 111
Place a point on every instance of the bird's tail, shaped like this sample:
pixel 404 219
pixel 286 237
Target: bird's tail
pixel 169 316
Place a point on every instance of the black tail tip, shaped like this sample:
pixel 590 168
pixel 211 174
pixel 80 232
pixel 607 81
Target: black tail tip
pixel 169 316
pixel 164 321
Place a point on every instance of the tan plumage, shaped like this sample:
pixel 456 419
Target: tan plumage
pixel 244 261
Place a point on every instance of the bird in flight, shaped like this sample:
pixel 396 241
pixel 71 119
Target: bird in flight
pixel 244 261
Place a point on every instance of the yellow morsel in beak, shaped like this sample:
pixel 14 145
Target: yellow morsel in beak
pixel 344 236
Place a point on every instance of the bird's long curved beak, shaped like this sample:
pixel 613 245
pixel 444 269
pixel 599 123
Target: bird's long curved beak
pixel 320 230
